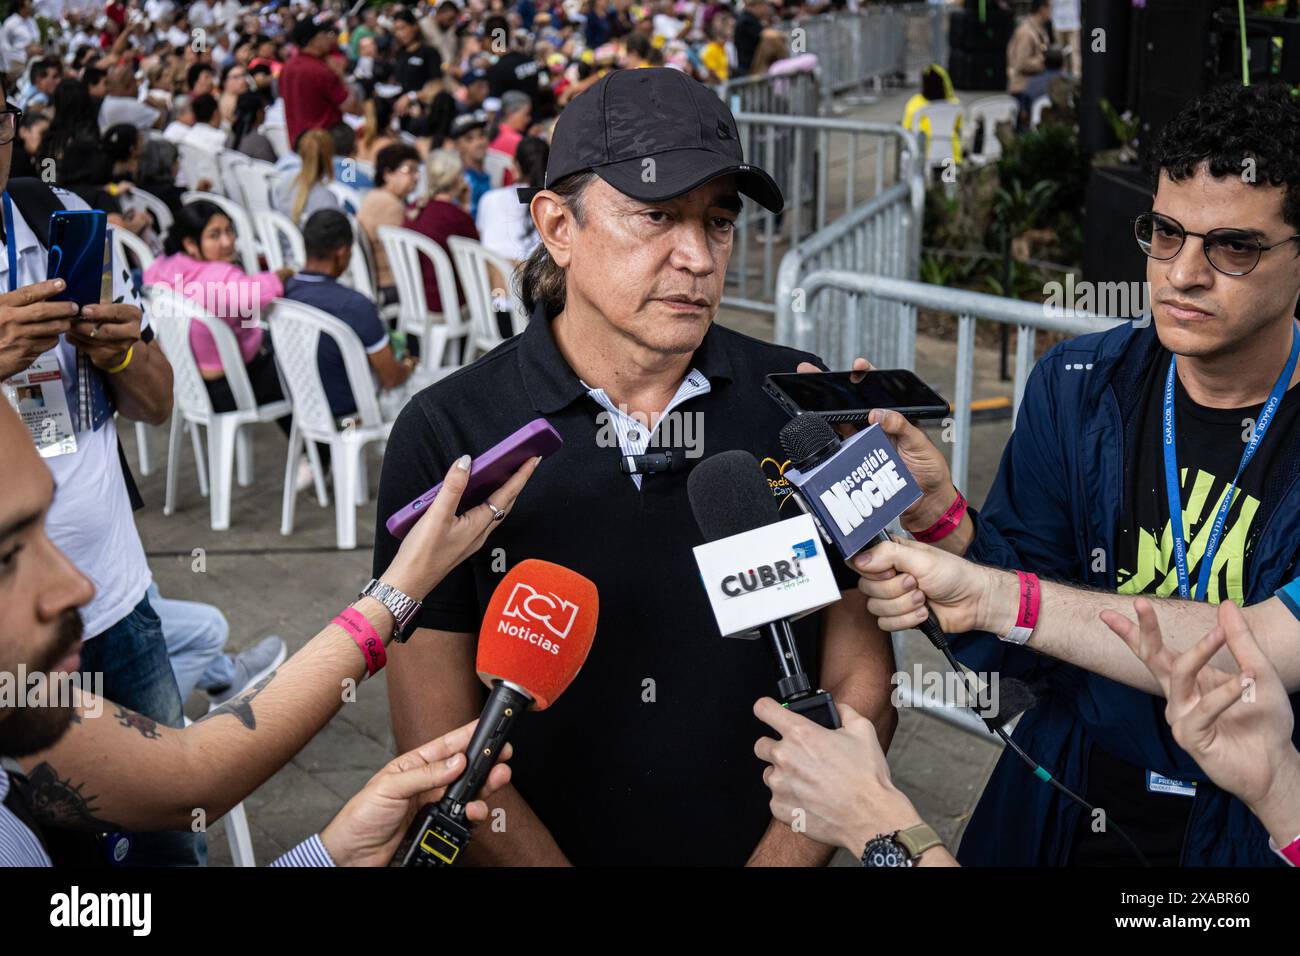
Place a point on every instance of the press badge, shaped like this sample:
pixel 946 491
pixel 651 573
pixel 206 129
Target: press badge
pixel 38 397
pixel 1178 788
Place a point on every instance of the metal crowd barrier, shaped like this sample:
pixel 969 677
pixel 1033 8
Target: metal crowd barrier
pixel 827 169
pixel 855 50
pixel 1028 317
pixel 881 237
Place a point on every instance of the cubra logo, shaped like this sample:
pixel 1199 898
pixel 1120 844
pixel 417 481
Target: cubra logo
pixel 549 610
pixel 723 132
pixel 774 472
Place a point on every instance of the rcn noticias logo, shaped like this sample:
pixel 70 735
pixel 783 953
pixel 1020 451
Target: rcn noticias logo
pixel 531 616
pixel 783 575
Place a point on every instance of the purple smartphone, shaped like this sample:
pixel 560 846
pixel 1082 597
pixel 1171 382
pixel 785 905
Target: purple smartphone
pixel 489 472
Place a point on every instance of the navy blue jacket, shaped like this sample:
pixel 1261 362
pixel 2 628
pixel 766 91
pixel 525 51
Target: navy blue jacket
pixel 1055 509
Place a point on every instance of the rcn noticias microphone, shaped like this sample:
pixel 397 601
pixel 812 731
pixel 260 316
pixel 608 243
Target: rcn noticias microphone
pixel 855 488
pixel 759 571
pixel 535 636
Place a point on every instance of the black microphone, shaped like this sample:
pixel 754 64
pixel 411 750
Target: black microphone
pixel 810 443
pixel 730 497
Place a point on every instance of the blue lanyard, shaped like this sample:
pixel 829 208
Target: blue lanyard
pixel 11 243
pixel 1173 485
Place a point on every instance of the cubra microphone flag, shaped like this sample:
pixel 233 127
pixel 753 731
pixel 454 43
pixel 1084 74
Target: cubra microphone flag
pixel 756 568
pixel 855 487
pixel 760 572
pixel 535 636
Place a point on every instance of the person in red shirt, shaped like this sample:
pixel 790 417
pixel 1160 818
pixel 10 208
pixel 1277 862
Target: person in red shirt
pixel 315 96
pixel 443 215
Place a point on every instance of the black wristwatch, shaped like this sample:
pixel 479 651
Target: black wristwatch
pixel 900 848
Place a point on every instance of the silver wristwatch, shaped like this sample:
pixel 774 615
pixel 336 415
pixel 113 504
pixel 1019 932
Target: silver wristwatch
pixel 404 608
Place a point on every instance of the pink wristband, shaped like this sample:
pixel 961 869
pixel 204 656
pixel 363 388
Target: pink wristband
pixel 1291 852
pixel 946 524
pixel 1027 613
pixel 363 632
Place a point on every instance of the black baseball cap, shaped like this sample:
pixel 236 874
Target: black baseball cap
pixel 467 122
pixel 307 28
pixel 629 116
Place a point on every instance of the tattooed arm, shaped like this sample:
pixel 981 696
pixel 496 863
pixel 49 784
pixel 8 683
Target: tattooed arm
pixel 118 769
pixel 119 766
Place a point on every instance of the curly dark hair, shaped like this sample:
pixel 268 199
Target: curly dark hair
pixel 1221 129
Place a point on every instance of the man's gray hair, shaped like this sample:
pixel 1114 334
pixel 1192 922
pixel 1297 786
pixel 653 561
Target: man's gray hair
pixel 512 101
pixel 540 279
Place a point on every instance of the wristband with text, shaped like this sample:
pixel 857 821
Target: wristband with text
pixel 367 638
pixel 947 523
pixel 1027 613
pixel 1290 852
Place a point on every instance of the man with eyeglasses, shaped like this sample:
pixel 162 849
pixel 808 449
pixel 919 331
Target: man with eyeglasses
pixel 1156 459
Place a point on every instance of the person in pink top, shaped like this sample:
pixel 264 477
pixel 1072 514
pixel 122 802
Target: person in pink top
pixel 199 263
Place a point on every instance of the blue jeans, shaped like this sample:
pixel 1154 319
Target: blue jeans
pixel 196 637
pixel 132 656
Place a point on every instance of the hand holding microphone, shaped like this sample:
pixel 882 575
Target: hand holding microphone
pixel 367 830
pixel 534 639
pixel 918 454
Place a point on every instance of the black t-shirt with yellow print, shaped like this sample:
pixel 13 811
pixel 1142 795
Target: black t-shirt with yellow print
pixel 1210 443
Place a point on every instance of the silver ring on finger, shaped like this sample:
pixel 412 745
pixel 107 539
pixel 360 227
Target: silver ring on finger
pixel 497 513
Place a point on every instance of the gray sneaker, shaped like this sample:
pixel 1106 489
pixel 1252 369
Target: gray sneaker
pixel 251 666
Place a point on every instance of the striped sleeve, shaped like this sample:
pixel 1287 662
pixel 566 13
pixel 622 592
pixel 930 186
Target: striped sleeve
pixel 310 852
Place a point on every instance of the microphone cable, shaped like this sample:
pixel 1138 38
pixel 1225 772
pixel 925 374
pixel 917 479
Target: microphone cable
pixel 931 629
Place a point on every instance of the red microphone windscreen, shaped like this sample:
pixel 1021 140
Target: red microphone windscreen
pixel 538 629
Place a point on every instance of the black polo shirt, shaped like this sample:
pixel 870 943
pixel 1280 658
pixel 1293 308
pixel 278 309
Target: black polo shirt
pixel 648 756
pixel 414 70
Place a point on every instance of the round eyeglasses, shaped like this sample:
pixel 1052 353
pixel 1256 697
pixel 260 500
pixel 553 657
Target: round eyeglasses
pixel 10 117
pixel 1234 252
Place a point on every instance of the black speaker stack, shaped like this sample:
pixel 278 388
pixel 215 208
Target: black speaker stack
pixel 977 48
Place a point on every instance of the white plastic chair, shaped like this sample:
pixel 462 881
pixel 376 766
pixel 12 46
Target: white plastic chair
pixel 137 198
pixel 278 235
pixel 472 265
pixel 172 316
pixel 360 273
pixel 296 330
pixel 245 233
pixel 435 330
pixel 943 118
pixel 256 181
pixel 232 165
pixel 988 112
pixel 278 135
pixel 1036 110
pixel 129 249
pixel 349 197
pixel 237 833
pixel 198 164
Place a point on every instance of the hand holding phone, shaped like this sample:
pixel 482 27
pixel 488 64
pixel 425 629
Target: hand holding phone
pixel 490 471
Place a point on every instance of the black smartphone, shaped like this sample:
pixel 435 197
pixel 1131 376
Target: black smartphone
pixel 850 396
pixel 79 254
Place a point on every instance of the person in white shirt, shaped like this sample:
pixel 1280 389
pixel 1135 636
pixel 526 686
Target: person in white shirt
pixel 202 15
pixel 503 222
pixel 182 119
pixel 122 104
pixel 20 40
pixel 158 10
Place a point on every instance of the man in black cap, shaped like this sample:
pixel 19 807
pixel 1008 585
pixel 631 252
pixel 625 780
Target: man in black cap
pixel 648 757
pixel 315 96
